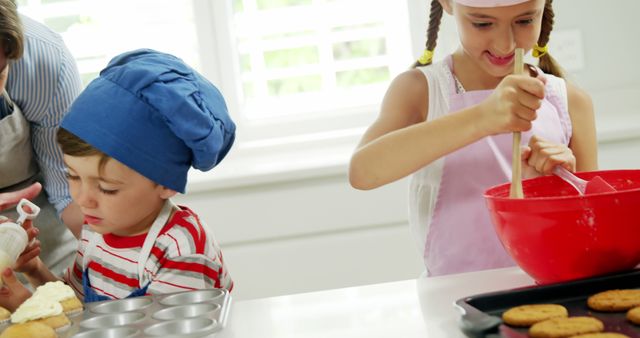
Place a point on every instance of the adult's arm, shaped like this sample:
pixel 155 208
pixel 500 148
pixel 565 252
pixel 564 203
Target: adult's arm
pixel 10 199
pixel 44 83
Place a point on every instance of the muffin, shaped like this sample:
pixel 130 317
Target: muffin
pixel 62 293
pixel 41 310
pixel 29 330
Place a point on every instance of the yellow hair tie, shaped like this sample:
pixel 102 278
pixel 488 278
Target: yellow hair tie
pixel 426 57
pixel 539 51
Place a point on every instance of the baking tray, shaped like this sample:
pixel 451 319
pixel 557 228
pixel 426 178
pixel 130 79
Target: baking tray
pixel 199 313
pixel 481 314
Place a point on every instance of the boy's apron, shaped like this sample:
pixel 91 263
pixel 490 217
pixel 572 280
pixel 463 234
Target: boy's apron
pixel 89 294
pixel 18 170
pixel 461 236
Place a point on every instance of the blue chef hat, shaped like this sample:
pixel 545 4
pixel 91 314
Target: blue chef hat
pixel 156 115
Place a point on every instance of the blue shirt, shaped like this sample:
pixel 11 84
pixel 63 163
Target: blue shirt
pixel 43 83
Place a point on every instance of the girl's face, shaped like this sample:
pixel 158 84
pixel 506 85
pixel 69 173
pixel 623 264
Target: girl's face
pixel 489 36
pixel 116 199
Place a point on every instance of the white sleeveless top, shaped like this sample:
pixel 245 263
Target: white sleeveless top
pixel 447 212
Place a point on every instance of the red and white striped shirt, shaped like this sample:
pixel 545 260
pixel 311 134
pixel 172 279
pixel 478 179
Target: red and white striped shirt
pixel 184 257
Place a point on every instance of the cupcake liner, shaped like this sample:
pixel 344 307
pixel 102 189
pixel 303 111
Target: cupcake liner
pixel 74 312
pixel 4 322
pixel 62 328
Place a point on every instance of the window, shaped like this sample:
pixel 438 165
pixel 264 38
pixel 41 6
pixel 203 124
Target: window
pixel 97 30
pixel 305 59
pixel 294 72
pixel 305 70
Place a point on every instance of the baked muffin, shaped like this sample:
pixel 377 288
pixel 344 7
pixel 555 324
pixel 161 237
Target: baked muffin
pixel 61 293
pixel 29 330
pixel 41 310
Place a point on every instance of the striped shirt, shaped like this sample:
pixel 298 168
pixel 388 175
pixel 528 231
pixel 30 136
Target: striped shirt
pixel 184 257
pixel 43 83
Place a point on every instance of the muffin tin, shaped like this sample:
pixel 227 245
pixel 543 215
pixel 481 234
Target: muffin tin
pixel 199 313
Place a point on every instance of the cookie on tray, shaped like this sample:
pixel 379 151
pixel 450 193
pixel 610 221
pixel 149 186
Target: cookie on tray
pixel 633 315
pixel 614 300
pixel 527 315
pixel 601 335
pixel 29 330
pixel 565 327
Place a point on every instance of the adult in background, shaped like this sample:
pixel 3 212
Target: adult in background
pixel 38 80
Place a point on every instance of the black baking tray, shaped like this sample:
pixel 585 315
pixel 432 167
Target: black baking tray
pixel 480 315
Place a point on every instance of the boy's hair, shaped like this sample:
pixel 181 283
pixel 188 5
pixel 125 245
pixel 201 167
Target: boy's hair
pixel 547 63
pixel 11 32
pixel 72 145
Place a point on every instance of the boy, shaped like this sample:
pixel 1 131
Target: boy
pixel 129 140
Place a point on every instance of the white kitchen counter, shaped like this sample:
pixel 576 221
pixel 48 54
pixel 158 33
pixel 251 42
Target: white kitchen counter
pixel 420 307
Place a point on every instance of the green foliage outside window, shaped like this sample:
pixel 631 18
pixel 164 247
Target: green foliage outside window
pixel 295 85
pixel 245 63
pixel 358 49
pixel 271 4
pixel 356 77
pixel 62 23
pixel 284 58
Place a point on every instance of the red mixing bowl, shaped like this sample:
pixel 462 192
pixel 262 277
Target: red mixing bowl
pixel 555 235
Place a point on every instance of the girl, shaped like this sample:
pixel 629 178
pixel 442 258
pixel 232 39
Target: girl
pixel 449 125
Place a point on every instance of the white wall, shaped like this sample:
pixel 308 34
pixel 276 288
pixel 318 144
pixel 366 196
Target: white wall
pixel 318 233
pixel 310 232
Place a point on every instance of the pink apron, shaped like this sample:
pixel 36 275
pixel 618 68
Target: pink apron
pixel 461 236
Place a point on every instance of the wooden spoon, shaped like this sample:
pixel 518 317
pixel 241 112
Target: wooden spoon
pixel 516 161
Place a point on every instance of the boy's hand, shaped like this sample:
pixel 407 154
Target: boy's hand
pixel 28 260
pixel 512 105
pixel 540 156
pixel 12 293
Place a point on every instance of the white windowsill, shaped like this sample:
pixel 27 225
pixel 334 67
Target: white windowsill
pixel 272 166
pixel 325 159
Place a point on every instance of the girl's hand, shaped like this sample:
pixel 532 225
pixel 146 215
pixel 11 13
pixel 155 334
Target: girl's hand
pixel 540 156
pixel 12 293
pixel 512 105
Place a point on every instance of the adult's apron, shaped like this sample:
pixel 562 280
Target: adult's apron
pixel 448 213
pixel 18 169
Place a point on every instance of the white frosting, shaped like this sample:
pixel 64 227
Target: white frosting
pixel 55 291
pixel 33 309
